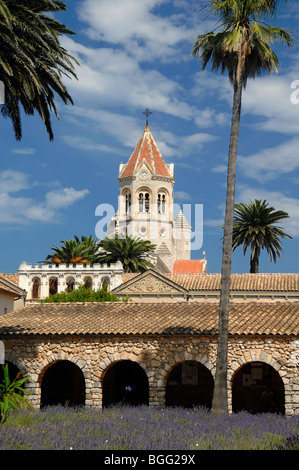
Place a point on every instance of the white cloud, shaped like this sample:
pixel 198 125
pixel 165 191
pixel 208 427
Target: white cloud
pixel 63 198
pixel 127 131
pixel 22 210
pixel 87 144
pixel 182 196
pixel 23 151
pixel 108 76
pixel 269 98
pixel 209 117
pixel 220 169
pixel 12 181
pixel 270 163
pixel 133 26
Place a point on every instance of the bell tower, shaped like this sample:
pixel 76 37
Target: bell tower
pixel 146 199
pixel 145 208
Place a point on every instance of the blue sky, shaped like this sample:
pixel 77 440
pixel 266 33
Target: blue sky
pixel 136 54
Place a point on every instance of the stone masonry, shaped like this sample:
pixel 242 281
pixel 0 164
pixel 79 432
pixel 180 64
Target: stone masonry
pixel 156 355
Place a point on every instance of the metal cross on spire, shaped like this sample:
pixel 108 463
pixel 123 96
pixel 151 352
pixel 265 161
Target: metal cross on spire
pixel 147 112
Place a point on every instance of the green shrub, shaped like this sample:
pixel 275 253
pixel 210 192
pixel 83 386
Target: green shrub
pixel 11 393
pixel 83 294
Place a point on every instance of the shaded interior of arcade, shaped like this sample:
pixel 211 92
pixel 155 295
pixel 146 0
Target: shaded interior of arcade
pixel 256 387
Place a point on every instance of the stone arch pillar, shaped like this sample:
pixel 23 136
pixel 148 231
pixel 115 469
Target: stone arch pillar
pixel 26 370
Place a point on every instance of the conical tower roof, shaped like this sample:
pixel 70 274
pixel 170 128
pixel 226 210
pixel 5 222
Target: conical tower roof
pixel 146 151
pixel 181 221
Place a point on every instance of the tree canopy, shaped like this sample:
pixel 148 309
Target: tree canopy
pixel 132 252
pixel 32 60
pixel 255 227
pixel 76 250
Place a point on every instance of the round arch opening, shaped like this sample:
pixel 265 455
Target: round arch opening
pixel 189 384
pixel 125 382
pixel 258 388
pixel 63 384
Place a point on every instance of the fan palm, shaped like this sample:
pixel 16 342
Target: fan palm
pixel 75 250
pixel 254 227
pixel 132 252
pixel 32 61
pixel 242 49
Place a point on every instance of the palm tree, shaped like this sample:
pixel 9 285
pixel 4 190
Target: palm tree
pixel 132 252
pixel 32 61
pixel 75 250
pixel 253 227
pixel 241 48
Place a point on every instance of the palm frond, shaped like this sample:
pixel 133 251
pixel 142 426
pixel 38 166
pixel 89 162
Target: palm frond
pixel 32 60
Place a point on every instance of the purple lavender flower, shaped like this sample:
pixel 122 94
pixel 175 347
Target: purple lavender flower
pixel 145 428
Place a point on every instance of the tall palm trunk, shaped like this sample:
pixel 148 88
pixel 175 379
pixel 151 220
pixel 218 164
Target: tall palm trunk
pixel 254 263
pixel 220 402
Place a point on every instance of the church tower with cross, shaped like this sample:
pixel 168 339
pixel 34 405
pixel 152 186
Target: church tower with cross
pixel 146 205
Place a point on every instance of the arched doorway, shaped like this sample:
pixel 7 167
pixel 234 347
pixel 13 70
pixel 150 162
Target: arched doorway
pixel 63 384
pixel 258 388
pixel 189 384
pixel 35 288
pixel 53 286
pixel 125 382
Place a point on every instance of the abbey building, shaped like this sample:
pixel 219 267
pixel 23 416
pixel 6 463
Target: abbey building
pixel 163 342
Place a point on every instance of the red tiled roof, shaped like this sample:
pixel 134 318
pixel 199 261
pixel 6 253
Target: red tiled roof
pixel 165 318
pixel 9 288
pixel 188 267
pixel 11 277
pixel 271 282
pixel 146 150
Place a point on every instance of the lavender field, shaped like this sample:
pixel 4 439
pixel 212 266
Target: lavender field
pixel 142 428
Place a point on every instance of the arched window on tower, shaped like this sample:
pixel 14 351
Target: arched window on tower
pixel 128 202
pixel 161 203
pixel 144 201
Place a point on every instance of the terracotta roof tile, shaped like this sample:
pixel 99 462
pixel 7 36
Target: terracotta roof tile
pixel 239 282
pixel 180 318
pixel 188 267
pixel 277 282
pixel 11 277
pixel 9 287
pixel 146 150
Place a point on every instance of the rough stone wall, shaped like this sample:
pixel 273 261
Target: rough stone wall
pixel 157 356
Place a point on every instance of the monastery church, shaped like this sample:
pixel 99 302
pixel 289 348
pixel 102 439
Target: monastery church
pixel 163 342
